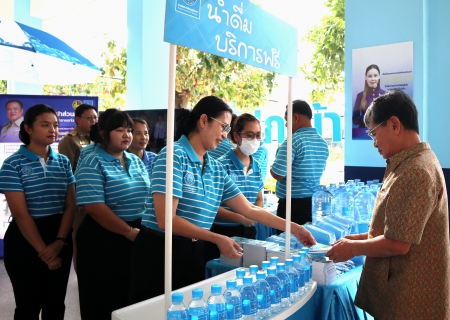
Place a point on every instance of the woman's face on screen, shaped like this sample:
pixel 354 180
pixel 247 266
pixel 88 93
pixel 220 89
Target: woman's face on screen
pixel 372 78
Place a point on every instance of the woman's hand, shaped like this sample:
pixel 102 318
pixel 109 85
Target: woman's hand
pixel 302 234
pixel 360 236
pixel 54 264
pixel 229 247
pixel 247 222
pixel 134 232
pixel 51 251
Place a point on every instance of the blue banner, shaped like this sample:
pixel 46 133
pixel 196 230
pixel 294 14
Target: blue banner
pixel 238 30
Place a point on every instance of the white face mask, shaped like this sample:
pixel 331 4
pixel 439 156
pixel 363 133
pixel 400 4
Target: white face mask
pixel 249 147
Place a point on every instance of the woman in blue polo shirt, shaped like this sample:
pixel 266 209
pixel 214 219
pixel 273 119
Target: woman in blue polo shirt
pixel 113 187
pixel 245 172
pixel 139 143
pixel 38 184
pixel 200 184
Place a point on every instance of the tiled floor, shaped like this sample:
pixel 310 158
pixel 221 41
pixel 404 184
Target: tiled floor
pixel 7 304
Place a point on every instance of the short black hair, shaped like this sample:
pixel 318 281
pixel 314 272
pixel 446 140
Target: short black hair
pixel 393 103
pixel 14 100
pixel 81 109
pixel 29 119
pixel 301 107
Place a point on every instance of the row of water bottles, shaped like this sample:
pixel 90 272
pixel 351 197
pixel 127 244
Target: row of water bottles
pixel 256 295
pixel 353 201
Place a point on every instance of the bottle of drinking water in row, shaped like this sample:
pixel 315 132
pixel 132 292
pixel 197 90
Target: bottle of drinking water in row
pixel 249 300
pixel 285 285
pixel 233 301
pixel 240 274
pixel 275 290
pixel 301 274
pixel 262 288
pixel 216 303
pixel 308 270
pixel 177 310
pixel 264 266
pixel 252 270
pixel 294 282
pixel 197 308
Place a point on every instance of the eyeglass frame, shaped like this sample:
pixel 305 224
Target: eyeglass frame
pixel 226 128
pixel 90 118
pixel 261 135
pixel 370 132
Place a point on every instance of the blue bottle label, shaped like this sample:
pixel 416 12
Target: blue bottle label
pixel 177 315
pixel 285 290
pixel 301 279
pixel 275 296
pixel 233 311
pixel 263 301
pixel 249 306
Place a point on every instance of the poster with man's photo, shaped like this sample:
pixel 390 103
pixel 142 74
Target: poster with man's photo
pixel 376 70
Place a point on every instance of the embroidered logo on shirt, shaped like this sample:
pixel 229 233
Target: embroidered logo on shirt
pixel 189 178
pixel 234 177
pixel 27 170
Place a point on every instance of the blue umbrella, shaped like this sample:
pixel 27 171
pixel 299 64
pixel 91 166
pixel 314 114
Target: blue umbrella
pixel 34 56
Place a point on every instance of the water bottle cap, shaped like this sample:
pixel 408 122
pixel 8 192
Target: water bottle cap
pixel 306 249
pixel 289 262
pixel 240 273
pixel 271 271
pixel 274 260
pixel 253 268
pixel 302 254
pixel 296 258
pixel 197 293
pixel 280 266
pixel 265 264
pixel 177 297
pixel 248 280
pixel 260 275
pixel 216 289
pixel 231 284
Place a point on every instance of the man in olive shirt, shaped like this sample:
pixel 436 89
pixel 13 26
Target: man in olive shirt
pixel 72 144
pixel 406 274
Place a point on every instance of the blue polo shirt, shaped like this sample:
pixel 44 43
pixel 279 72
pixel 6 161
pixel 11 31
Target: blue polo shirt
pixel 101 178
pixel 199 192
pixel 262 156
pixel 249 182
pixel 148 159
pixel 43 183
pixel 309 157
pixel 221 149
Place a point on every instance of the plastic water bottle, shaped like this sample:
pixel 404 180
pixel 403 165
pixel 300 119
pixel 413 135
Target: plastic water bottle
pixel 216 303
pixel 233 301
pixel 294 282
pixel 301 275
pixel 342 203
pixel 197 308
pixel 177 310
pixel 308 271
pixel 374 189
pixel 321 204
pixel 274 261
pixel 332 188
pixel 364 203
pixel 252 270
pixel 285 285
pixel 262 288
pixel 275 290
pixel 249 301
pixel 240 274
pixel 264 266
pixel 351 187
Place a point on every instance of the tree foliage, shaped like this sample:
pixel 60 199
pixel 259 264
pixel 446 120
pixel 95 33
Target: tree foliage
pixel 199 74
pixel 3 86
pixel 326 68
pixel 110 87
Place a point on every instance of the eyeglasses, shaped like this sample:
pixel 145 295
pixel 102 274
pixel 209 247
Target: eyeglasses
pixel 225 126
pixel 370 132
pixel 90 118
pixel 251 135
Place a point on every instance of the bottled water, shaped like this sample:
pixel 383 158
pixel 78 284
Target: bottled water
pixel 295 243
pixel 216 304
pixel 274 261
pixel 240 274
pixel 294 282
pixel 275 290
pixel 351 187
pixel 264 266
pixel 233 301
pixel 321 204
pixel 252 270
pixel 249 301
pixel 285 285
pixel 197 308
pixel 321 235
pixel 301 275
pixel 364 203
pixel 374 189
pixel 338 232
pixel 359 185
pixel 308 271
pixel 262 288
pixel 342 203
pixel 332 188
pixel 177 310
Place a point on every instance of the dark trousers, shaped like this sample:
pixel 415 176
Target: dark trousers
pixel 36 287
pixel 147 264
pixel 103 262
pixel 301 210
pixel 212 251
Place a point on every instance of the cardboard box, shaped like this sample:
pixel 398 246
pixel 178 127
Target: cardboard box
pixel 255 252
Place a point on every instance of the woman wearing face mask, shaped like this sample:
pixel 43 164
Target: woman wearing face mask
pixel 139 143
pixel 365 98
pixel 246 174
